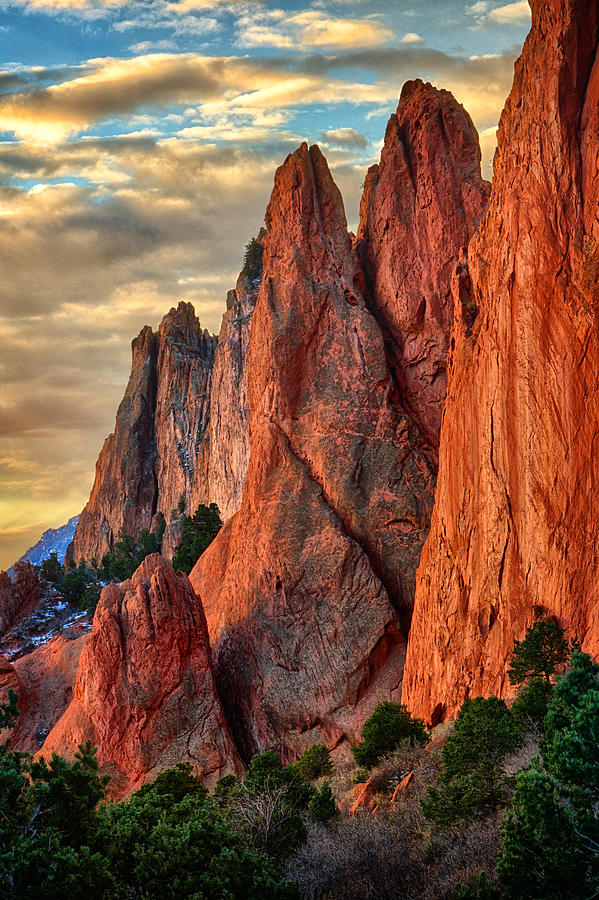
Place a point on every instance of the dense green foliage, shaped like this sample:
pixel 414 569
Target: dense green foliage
pixel 473 778
pixel 127 553
pixel 530 706
pixel 80 587
pixel 199 531
pixel 387 727
pixel 315 762
pixel 252 260
pixel 323 806
pixel 551 835
pixel 541 653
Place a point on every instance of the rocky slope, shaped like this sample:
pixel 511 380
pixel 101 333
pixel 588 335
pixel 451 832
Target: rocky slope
pixel 19 595
pixel 145 693
pixel 515 531
pixel 421 205
pixel 308 589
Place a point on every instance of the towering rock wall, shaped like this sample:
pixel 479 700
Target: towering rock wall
pixel 149 461
pixel 18 596
pixel 145 693
pixel 515 531
pixel 421 205
pixel 308 589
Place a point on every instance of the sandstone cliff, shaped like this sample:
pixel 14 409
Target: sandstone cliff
pixel 515 531
pixel 421 205
pixel 149 461
pixel 308 589
pixel 145 693
pixel 18 596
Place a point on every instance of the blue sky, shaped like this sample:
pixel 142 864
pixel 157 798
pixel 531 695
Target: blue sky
pixel 138 142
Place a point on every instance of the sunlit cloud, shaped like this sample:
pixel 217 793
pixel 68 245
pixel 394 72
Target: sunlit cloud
pixel 310 29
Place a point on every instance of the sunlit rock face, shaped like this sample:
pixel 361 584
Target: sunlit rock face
pixel 145 693
pixel 308 589
pixel 516 524
pixel 420 206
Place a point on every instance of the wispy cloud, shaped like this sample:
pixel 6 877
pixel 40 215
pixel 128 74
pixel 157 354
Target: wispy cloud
pixel 309 29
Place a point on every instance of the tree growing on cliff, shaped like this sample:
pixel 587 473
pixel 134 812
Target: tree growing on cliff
pixel 199 531
pixel 541 653
pixel 387 727
pixel 252 260
pixel 128 553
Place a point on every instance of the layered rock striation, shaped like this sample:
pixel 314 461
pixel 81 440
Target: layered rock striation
pixel 515 532
pixel 145 693
pixel 308 589
pixel 421 205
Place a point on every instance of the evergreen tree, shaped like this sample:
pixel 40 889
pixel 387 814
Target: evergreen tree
pixel 542 651
pixel 199 531
pixel 387 727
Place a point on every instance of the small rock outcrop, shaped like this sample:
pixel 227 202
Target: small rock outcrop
pixel 308 588
pixel 19 595
pixel 515 532
pixel 421 205
pixel 145 693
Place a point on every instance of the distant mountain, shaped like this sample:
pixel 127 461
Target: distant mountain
pixel 54 540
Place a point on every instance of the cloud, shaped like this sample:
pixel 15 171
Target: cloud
pixel 517 13
pixel 345 137
pixel 511 13
pixel 310 29
pixel 412 38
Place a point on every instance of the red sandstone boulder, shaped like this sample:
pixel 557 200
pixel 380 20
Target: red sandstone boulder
pixel 145 693
pixel 308 589
pixel 421 205
pixel 515 531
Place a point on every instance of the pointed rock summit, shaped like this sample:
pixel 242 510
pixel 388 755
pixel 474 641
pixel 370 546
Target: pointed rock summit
pixel 145 694
pixel 515 533
pixel 421 205
pixel 308 589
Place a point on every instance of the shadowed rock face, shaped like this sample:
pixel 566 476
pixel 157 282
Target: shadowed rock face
pixel 145 693
pixel 421 205
pixel 149 462
pixel 308 589
pixel 516 524
pixel 18 596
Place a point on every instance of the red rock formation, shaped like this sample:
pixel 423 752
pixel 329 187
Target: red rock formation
pixel 220 477
pixel 44 682
pixel 19 596
pixel 145 693
pixel 308 587
pixel 149 461
pixel 420 206
pixel 515 530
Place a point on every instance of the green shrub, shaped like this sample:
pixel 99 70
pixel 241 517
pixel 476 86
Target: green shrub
pixel 252 260
pixel 51 570
pixel 199 531
pixel 530 706
pixel 323 806
pixel 473 777
pixel 387 727
pixel 128 554
pixel 315 762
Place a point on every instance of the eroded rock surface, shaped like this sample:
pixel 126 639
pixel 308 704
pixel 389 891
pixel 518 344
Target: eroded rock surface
pixel 515 531
pixel 308 589
pixel 421 205
pixel 145 694
pixel 19 595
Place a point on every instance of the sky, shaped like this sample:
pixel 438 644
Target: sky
pixel 138 144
